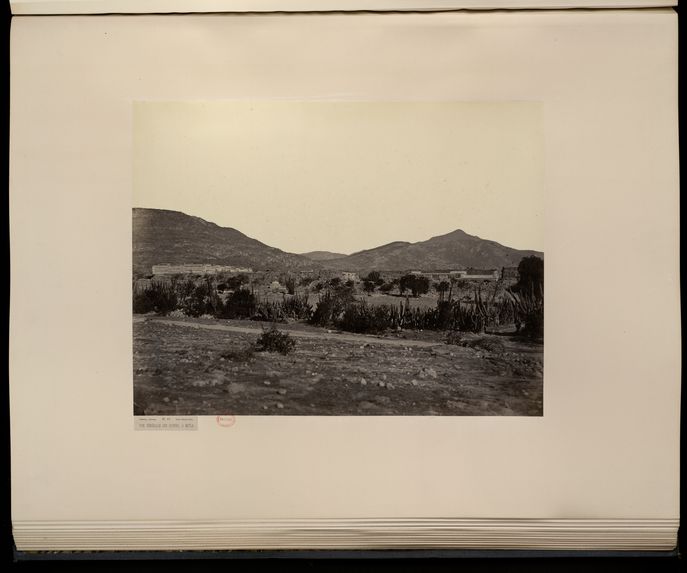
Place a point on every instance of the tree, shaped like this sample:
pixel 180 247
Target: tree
pixel 442 288
pixel 405 282
pixel 375 277
pixel 417 284
pixel 420 286
pixel 289 282
pixel 531 273
pixel 386 287
pixel 368 286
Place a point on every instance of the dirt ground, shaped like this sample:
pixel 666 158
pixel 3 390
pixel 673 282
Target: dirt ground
pixel 205 367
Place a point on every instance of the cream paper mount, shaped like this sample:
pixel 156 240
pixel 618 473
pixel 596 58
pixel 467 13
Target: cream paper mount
pixel 599 468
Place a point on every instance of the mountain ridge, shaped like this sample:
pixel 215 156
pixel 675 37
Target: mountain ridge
pixel 454 250
pixel 167 236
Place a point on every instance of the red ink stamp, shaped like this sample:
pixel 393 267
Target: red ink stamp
pixel 226 421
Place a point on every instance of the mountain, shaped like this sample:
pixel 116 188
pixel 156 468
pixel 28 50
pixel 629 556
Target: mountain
pixel 455 250
pixel 322 255
pixel 162 236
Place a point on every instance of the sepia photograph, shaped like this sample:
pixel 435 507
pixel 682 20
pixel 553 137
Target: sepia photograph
pixel 333 258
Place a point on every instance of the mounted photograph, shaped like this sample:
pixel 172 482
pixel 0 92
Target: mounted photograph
pixel 338 258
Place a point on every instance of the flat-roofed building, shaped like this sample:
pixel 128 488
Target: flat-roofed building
pixel 197 269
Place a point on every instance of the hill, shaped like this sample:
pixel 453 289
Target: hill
pixel 322 255
pixel 455 250
pixel 162 236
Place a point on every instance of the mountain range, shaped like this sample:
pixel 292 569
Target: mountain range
pixel 163 236
pixel 454 250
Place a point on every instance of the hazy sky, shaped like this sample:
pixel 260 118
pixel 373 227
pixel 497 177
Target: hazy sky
pixel 345 176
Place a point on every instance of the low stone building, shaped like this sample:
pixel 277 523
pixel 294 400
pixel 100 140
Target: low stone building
pixel 482 274
pixel 197 269
pixel 475 275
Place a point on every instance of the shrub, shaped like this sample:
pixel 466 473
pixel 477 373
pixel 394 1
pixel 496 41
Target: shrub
pixel 234 282
pixel 445 314
pixel 325 311
pixel 364 318
pixel 202 300
pixel 528 314
pixel 475 317
pixel 295 307
pixel 290 284
pixel 240 304
pixel 158 298
pixel 269 312
pixel 273 340
pixel 331 305
pixel 534 323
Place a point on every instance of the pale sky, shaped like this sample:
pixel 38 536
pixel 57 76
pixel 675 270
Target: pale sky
pixel 346 176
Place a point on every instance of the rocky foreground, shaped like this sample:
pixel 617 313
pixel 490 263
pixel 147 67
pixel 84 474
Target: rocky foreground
pixel 196 368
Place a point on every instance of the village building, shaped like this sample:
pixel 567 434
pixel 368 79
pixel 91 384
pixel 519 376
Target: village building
pixel 197 269
pixel 458 274
pixel 438 277
pixel 482 274
pixel 466 274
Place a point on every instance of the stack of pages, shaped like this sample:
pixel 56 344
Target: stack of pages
pixel 277 278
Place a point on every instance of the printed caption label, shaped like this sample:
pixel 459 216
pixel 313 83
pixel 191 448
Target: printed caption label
pixel 166 423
